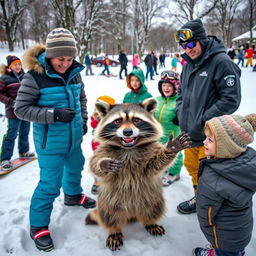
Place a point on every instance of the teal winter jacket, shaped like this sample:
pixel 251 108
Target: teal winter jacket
pixel 132 97
pixel 42 91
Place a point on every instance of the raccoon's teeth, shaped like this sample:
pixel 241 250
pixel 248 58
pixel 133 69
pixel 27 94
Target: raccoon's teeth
pixel 129 141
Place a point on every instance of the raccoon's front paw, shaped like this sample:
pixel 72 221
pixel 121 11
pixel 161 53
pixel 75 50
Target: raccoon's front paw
pixel 155 230
pixel 115 241
pixel 111 165
pixel 182 141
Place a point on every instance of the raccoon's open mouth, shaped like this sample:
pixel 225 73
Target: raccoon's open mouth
pixel 128 141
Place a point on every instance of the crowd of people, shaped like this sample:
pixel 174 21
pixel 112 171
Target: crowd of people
pixel 198 101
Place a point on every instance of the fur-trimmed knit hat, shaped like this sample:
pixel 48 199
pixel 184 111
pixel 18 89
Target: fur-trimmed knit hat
pixel 197 28
pixel 11 60
pixel 60 42
pixel 232 134
pixel 107 99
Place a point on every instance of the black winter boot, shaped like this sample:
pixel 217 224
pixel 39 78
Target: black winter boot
pixel 188 206
pixel 80 199
pixel 42 238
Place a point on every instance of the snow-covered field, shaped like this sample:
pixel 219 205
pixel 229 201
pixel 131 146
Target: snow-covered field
pixel 70 235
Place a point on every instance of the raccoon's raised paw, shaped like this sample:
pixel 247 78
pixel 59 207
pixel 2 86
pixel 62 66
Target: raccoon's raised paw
pixel 182 141
pixel 115 241
pixel 111 165
pixel 155 230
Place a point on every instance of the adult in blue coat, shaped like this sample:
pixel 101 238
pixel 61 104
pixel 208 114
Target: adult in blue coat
pixel 52 97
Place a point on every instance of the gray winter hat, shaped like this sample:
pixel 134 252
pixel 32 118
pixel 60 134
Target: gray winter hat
pixel 60 42
pixel 197 28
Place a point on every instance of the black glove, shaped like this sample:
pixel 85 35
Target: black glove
pixel 175 120
pixel 65 115
pixel 85 128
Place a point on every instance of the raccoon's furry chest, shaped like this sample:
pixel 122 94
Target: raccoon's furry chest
pixel 132 187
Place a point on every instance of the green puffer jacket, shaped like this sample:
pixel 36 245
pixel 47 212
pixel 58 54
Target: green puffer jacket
pixel 132 97
pixel 165 113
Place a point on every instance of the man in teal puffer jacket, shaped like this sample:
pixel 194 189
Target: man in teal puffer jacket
pixel 52 97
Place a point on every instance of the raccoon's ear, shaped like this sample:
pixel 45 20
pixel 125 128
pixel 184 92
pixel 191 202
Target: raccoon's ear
pixel 102 107
pixel 149 105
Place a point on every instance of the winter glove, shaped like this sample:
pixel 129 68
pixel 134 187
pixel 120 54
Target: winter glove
pixel 111 165
pixel 85 129
pixel 65 115
pixel 180 142
pixel 175 120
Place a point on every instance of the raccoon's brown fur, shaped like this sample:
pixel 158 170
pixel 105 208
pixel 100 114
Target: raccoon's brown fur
pixel 135 191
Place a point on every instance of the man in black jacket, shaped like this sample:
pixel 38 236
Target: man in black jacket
pixel 123 61
pixel 210 87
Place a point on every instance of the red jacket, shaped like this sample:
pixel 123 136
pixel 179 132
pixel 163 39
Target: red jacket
pixel 94 124
pixel 249 53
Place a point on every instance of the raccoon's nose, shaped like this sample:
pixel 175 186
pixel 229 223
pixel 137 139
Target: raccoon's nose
pixel 127 132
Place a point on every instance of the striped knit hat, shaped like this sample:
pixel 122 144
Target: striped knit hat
pixel 11 60
pixel 232 134
pixel 60 42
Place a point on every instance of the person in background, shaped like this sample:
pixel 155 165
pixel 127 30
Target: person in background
pixel 12 75
pixel 226 185
pixel 249 53
pixel 240 55
pixel 165 114
pixel 95 118
pixel 52 96
pixel 155 61
pixel 232 53
pixel 135 61
pixel 149 64
pixel 209 87
pixel 175 61
pixel 106 64
pixel 139 92
pixel 162 60
pixel 123 62
pixel 87 62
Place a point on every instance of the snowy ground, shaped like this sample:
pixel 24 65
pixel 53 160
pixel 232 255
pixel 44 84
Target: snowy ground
pixel 70 235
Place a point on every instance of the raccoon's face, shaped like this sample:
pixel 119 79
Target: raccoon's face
pixel 128 125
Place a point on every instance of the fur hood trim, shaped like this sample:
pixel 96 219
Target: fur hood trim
pixel 3 69
pixel 30 60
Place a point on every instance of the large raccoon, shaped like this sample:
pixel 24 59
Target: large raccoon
pixel 129 163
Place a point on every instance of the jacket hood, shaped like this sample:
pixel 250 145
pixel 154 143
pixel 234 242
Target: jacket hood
pixel 138 73
pixel 240 170
pixel 3 69
pixel 30 58
pixel 212 46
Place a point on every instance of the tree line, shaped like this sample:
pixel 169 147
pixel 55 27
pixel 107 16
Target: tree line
pixel 110 25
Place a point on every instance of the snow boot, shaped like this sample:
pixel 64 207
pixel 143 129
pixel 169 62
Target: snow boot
pixel 42 238
pixel 95 188
pixel 168 179
pixel 188 206
pixel 80 199
pixel 6 164
pixel 27 155
pixel 203 252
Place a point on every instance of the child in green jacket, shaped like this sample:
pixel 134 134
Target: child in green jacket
pixel 166 115
pixel 139 92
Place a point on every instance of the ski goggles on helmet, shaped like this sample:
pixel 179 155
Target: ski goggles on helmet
pixel 169 76
pixel 183 35
pixel 189 45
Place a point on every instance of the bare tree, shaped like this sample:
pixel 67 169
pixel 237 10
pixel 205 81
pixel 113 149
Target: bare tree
pixel 223 18
pixel 80 17
pixel 252 8
pixel 144 13
pixel 11 13
pixel 189 9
